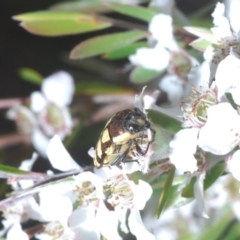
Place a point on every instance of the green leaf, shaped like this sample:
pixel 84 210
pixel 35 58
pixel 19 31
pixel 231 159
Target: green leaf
pixel 203 33
pixel 53 23
pixel 30 75
pixel 125 51
pixel 165 192
pixel 164 121
pixel 216 230
pixel 234 231
pixel 94 87
pixel 142 75
pixel 212 175
pixel 15 173
pixel 176 181
pixel 106 43
pixel 161 143
pixel 200 44
pixel 180 18
pixel 139 12
pixel 230 99
pixel 200 22
pixel 80 6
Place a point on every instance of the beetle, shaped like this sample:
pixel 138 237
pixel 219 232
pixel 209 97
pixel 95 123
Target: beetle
pixel 121 137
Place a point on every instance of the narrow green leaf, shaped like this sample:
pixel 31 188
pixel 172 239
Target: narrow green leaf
pixel 164 121
pixel 203 33
pixel 161 143
pixel 176 181
pixel 200 22
pixel 53 23
pixel 106 43
pixel 215 230
pixel 139 12
pixel 212 175
pixel 200 44
pixel 93 88
pixel 180 19
pixel 125 51
pixel 165 192
pixel 234 231
pixel 12 172
pixel 80 6
pixel 230 99
pixel 142 75
pixel 30 75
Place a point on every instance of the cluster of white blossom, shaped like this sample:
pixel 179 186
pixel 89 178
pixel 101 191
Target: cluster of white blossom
pixel 97 203
pixel 47 113
pixel 94 204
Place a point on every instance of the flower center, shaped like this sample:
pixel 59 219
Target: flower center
pixel 56 231
pixel 119 192
pixel 54 116
pixel 195 107
pixel 180 64
pixel 86 194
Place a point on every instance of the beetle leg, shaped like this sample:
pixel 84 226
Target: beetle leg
pixel 121 158
pixel 139 149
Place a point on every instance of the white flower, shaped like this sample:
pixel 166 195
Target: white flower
pixel 157 57
pixel 222 27
pixel 233 15
pixel 25 119
pixel 48 114
pixel 16 232
pixel 227 77
pixel 233 165
pixel 26 165
pixel 51 105
pixel 59 157
pixel 88 193
pixel 225 38
pixel 221 133
pixel 175 88
pixel 162 23
pixel 182 154
pixel 137 227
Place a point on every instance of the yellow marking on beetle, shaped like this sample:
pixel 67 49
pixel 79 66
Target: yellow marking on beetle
pixel 123 138
pixel 110 150
pixel 141 121
pixel 105 136
pixel 99 149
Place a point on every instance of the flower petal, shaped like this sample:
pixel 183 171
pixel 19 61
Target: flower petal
pixel 83 223
pixel 37 102
pixel 16 232
pixel 156 58
pixel 181 154
pixel 59 157
pixel 221 132
pixel 140 199
pixel 160 24
pixel 222 28
pixel 227 77
pixel 234 15
pixel 40 142
pixel 107 222
pixel 59 88
pixel 174 87
pixel 233 165
pixel 137 228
